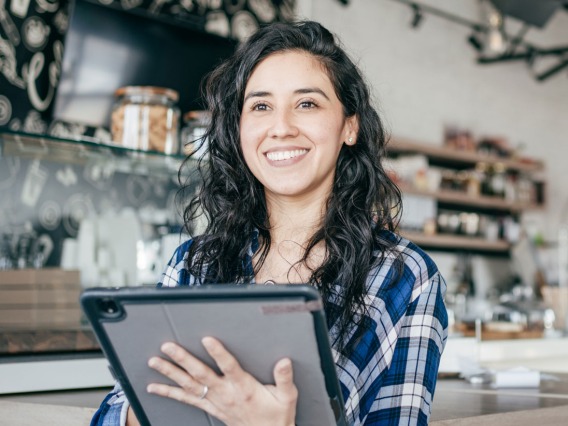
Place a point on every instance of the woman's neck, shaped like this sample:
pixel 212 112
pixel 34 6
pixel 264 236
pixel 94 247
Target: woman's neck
pixel 293 223
pixel 293 219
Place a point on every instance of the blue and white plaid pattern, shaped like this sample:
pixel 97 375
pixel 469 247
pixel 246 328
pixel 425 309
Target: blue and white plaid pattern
pixel 390 377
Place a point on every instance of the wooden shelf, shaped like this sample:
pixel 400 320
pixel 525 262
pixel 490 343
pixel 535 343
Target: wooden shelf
pixel 456 242
pixel 449 155
pixel 446 157
pixel 464 199
pixel 45 341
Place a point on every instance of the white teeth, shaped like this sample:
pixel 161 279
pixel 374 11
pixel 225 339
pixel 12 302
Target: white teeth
pixel 285 155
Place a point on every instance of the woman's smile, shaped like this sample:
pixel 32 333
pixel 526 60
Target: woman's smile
pixel 285 157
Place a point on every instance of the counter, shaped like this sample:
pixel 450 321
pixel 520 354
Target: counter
pixel 20 414
pixel 28 414
pixel 456 400
pixel 456 403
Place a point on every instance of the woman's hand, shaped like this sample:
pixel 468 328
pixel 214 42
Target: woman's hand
pixel 236 398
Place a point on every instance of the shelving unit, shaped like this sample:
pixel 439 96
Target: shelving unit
pixel 453 199
pixel 457 242
pixel 466 200
pixel 46 341
pixel 461 158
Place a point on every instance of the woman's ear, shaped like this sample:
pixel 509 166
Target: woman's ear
pixel 351 130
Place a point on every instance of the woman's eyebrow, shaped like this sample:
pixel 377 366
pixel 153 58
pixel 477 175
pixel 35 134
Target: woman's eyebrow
pixel 258 94
pixel 302 91
pixel 311 90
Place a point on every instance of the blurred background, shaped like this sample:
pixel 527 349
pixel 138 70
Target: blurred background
pixel 100 103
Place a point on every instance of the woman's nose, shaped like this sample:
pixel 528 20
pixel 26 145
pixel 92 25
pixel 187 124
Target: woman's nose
pixel 283 125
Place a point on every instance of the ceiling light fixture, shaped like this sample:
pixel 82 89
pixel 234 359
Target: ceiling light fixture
pixel 495 39
pixel 491 41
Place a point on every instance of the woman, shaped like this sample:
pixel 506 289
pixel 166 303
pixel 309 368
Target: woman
pixel 294 192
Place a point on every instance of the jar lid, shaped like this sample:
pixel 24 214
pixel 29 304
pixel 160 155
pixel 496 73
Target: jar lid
pixel 203 116
pixel 147 90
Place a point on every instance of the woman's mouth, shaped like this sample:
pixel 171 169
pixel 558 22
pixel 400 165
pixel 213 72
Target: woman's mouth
pixel 285 155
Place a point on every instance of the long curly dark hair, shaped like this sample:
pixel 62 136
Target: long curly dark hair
pixel 363 201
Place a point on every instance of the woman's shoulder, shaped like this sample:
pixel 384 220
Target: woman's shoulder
pixel 411 255
pixel 404 273
pixel 176 272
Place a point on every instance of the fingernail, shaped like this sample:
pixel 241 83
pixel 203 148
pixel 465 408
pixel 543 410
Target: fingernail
pixel 285 365
pixel 152 362
pixel 150 389
pixel 168 348
pixel 207 342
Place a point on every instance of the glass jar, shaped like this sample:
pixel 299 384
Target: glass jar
pixel 193 132
pixel 484 173
pixel 146 118
pixel 498 180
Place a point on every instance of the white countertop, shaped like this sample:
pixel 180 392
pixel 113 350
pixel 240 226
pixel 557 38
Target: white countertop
pixel 25 414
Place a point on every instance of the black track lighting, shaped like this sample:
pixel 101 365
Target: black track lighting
pixel 473 39
pixel 417 18
pixel 501 47
pixel 551 71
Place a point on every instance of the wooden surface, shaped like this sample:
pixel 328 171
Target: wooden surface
pixel 39 298
pixel 487 333
pixel 456 242
pixel 26 414
pixel 14 342
pixel 464 199
pixel 556 416
pixel 399 145
pixel 456 402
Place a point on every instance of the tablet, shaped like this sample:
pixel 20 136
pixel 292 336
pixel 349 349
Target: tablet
pixel 259 325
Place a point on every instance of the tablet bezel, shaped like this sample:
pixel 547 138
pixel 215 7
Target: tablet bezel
pixel 99 304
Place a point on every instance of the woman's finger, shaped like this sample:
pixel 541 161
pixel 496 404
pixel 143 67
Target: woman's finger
pixel 178 394
pixel 226 362
pixel 286 390
pixel 197 369
pixel 176 374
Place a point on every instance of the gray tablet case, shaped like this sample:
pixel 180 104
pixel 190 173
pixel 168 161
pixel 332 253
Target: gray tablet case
pixel 258 324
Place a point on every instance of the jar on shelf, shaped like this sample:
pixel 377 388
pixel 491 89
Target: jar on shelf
pixel 525 189
pixel 498 180
pixel 146 118
pixel 511 188
pixel 484 173
pixel 193 132
pixel 473 184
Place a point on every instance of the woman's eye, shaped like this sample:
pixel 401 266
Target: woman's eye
pixel 260 107
pixel 307 104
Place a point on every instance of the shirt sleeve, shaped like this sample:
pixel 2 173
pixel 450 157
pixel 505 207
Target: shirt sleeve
pixel 407 388
pixel 113 409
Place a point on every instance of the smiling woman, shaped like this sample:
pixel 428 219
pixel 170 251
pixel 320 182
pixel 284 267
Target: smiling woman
pixel 294 192
pixel 292 127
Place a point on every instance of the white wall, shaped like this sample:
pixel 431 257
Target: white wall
pixel 426 78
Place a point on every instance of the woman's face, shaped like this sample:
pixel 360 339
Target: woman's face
pixel 292 126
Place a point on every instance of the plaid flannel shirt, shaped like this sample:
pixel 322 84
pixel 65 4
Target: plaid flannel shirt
pixel 390 377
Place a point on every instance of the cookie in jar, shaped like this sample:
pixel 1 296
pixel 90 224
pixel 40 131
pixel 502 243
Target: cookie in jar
pixel 146 118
